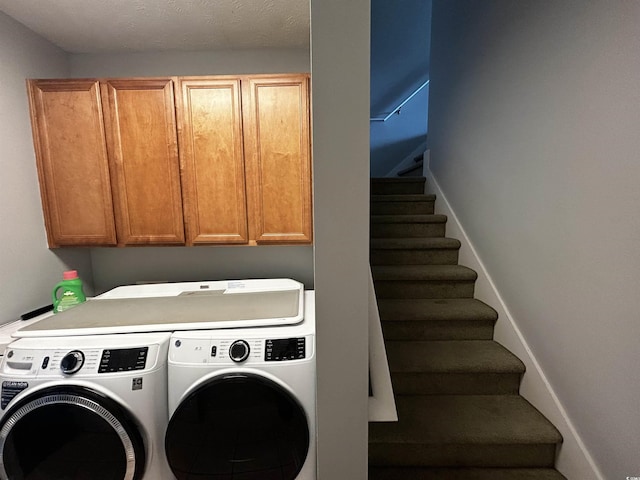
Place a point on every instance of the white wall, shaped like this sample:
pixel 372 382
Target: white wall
pixel 340 86
pixel 534 114
pixel 28 269
pixel 114 267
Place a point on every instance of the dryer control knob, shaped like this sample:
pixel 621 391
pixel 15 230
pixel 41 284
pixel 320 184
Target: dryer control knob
pixel 72 362
pixel 239 351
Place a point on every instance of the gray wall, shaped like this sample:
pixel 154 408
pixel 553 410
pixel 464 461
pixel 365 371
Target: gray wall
pixel 218 62
pixel 400 43
pixel 534 117
pixel 114 267
pixel 28 270
pixel 340 77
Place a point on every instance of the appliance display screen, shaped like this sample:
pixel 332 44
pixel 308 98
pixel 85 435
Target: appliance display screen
pixel 285 349
pixel 123 360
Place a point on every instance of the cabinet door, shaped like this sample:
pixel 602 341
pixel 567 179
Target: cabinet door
pixel 142 143
pixel 278 158
pixel 211 154
pixel 71 155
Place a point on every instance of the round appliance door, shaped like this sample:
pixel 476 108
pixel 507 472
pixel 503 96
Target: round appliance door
pixel 70 432
pixel 238 426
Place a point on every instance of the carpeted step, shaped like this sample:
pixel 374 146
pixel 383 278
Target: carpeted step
pixel 466 367
pixel 397 186
pixel 502 431
pixel 414 251
pixel 436 319
pixel 391 473
pixel 423 281
pixel 399 226
pixel 402 204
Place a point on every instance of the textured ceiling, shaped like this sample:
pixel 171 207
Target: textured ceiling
pixel 92 26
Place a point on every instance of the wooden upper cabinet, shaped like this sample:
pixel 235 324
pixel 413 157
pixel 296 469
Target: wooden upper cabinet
pixel 278 158
pixel 174 161
pixel 211 153
pixel 71 154
pixel 142 146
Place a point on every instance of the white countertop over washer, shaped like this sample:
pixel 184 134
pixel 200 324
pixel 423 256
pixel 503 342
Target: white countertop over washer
pixel 178 306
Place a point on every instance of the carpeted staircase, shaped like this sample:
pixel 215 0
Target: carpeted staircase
pixel 460 414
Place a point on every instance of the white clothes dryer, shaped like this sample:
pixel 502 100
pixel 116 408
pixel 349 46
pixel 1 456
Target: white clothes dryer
pixel 242 402
pixel 85 407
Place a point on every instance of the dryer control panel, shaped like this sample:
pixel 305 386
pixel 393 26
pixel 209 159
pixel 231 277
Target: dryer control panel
pixel 238 350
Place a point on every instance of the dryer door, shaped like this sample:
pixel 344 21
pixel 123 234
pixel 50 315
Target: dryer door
pixel 70 432
pixel 238 426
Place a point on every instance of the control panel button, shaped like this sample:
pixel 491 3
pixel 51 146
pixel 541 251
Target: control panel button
pixel 45 363
pixel 214 351
pixel 239 351
pixel 72 362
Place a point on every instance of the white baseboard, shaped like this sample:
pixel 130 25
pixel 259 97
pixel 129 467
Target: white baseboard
pixel 573 461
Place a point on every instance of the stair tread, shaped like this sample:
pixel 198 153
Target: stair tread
pixel 423 272
pixel 451 356
pixel 425 309
pixel 417 218
pixel 465 419
pixel 416 473
pixel 398 185
pixel 414 243
pixel 398 180
pixel 407 197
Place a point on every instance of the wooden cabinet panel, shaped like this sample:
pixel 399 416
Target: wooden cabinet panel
pixel 142 144
pixel 211 153
pixel 278 159
pixel 73 169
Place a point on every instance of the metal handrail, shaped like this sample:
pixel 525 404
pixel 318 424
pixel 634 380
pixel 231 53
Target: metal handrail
pixel 397 109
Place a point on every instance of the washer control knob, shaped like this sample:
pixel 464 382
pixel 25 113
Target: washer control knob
pixel 239 351
pixel 72 362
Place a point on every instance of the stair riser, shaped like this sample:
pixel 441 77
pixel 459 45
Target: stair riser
pixel 455 383
pixel 423 289
pixel 441 256
pixel 402 208
pixel 437 330
pixel 410 230
pixel 400 188
pixel 467 455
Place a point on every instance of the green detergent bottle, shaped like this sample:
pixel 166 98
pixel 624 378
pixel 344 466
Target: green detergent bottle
pixel 72 293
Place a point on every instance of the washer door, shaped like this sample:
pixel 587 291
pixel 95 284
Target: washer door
pixel 238 426
pixel 70 432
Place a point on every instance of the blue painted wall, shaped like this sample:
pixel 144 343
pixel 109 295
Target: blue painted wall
pixel 400 45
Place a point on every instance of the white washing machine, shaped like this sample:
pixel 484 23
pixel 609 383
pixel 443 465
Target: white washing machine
pixel 242 402
pixel 84 407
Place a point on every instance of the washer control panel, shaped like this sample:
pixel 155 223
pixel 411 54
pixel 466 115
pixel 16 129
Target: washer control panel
pixel 238 350
pixel 19 362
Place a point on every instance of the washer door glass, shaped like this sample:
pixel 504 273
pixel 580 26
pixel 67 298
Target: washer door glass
pixel 238 427
pixel 74 434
